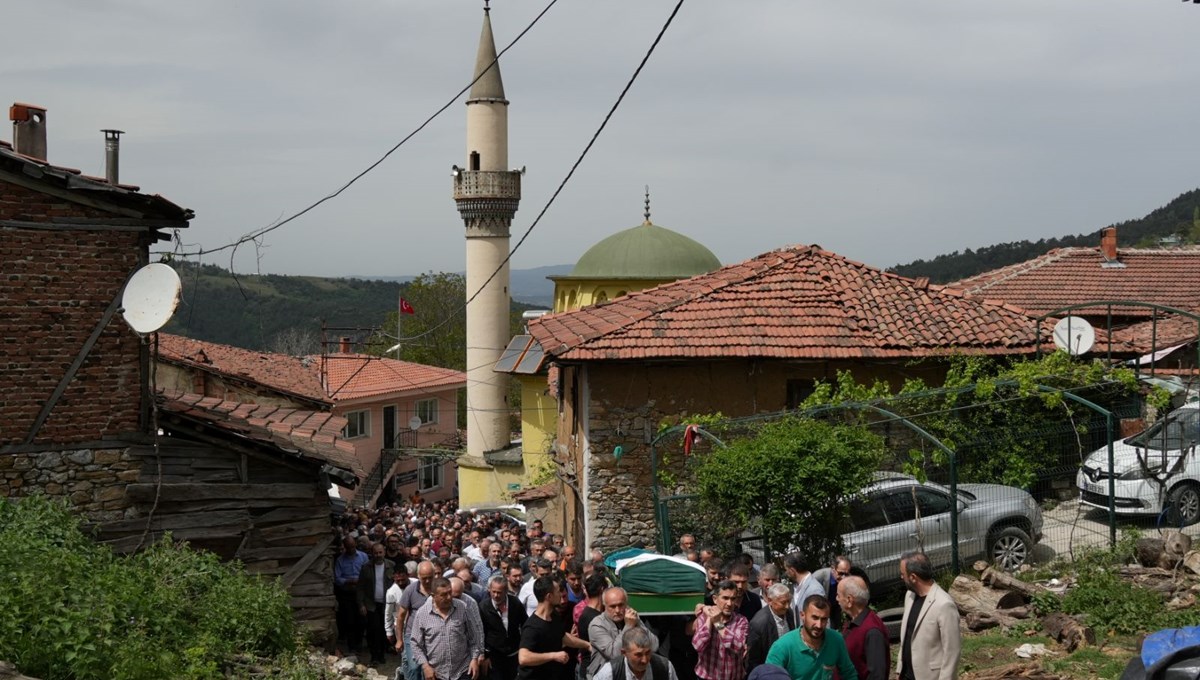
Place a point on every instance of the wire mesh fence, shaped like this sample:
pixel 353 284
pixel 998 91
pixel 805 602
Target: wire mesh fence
pixel 1013 491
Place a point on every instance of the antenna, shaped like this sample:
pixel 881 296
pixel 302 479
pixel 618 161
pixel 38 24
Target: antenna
pixel 150 298
pixel 1074 335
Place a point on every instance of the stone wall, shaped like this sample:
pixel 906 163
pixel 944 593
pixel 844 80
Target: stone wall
pixel 92 481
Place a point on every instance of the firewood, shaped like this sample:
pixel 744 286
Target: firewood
pixel 974 596
pixel 1067 631
pixel 1003 618
pixel 1013 671
pixel 1149 551
pixel 1001 580
pixel 1191 562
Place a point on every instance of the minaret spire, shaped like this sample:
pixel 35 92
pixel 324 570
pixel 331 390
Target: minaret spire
pixel 647 204
pixel 487 194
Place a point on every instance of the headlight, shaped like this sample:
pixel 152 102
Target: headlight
pixel 1139 473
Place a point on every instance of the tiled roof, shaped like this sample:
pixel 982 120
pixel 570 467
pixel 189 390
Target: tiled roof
pixel 796 303
pixel 1067 276
pixel 537 493
pixel 313 434
pixel 349 376
pixel 1168 331
pixel 298 376
pixel 354 376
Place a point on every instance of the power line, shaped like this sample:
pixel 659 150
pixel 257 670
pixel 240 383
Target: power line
pixel 252 236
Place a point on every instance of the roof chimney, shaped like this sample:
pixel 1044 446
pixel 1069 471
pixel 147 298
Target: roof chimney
pixel 1108 244
pixel 344 345
pixel 112 155
pixel 29 129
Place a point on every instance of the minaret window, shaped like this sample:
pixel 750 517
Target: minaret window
pixel 474 160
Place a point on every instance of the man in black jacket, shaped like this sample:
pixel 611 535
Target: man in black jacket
pixel 503 615
pixel 769 624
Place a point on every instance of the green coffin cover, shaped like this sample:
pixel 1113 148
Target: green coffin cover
pixel 661 576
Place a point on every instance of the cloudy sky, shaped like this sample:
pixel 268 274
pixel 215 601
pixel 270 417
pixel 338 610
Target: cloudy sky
pixel 882 130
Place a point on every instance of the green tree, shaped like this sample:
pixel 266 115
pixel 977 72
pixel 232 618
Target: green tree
pixel 791 481
pixel 436 334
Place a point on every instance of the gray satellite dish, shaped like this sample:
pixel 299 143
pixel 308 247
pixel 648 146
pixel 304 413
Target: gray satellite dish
pixel 150 298
pixel 1074 335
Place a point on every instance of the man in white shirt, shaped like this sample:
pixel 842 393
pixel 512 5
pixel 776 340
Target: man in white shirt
pixel 542 567
pixel 400 581
pixel 637 661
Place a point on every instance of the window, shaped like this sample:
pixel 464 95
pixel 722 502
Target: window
pixel 427 411
pixel 798 389
pixel 932 503
pixel 867 513
pixel 429 475
pixel 358 424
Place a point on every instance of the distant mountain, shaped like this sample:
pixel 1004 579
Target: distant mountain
pixel 525 285
pixel 1176 222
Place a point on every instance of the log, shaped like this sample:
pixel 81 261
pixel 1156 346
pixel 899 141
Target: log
pixel 1001 580
pixel 1191 562
pixel 1149 550
pixel 1003 618
pixel 973 597
pixel 1013 671
pixel 1067 631
pixel 1177 544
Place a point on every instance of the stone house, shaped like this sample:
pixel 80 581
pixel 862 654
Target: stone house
pixel 748 338
pixel 380 399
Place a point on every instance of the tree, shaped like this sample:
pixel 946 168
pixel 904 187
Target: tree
pixel 295 341
pixel 791 481
pixel 436 334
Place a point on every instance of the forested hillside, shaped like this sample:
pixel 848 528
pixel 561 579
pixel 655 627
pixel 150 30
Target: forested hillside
pixel 1179 218
pixel 285 313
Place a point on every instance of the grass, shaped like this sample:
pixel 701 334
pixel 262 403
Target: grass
pixel 981 651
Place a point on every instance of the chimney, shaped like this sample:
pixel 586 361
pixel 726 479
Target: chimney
pixel 112 155
pixel 344 345
pixel 1108 244
pixel 29 129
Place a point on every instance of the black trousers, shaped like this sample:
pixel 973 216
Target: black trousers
pixel 376 635
pixel 503 667
pixel 349 619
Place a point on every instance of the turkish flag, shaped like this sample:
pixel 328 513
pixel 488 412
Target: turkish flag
pixel 406 308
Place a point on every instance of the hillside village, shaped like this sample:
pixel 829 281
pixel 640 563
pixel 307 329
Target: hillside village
pixel 246 453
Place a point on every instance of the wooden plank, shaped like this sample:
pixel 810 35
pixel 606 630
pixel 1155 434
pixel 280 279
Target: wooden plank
pixel 311 589
pixel 172 522
pixel 208 492
pixel 310 527
pixel 128 543
pixel 286 553
pixel 291 515
pixel 313 602
pixel 318 549
pixel 168 505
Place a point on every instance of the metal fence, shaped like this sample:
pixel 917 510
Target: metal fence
pixel 1018 486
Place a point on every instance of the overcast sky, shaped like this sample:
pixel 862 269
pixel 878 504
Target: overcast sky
pixel 884 131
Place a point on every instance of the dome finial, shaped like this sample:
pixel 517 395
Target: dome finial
pixel 486 9
pixel 647 204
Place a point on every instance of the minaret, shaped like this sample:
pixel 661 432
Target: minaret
pixel 487 194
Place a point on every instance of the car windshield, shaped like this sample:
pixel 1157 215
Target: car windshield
pixel 1179 430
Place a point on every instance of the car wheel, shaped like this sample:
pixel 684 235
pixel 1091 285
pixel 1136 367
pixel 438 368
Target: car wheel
pixel 1010 548
pixel 1183 505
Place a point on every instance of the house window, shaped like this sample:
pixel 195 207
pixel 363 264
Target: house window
pixel 798 390
pixel 429 475
pixel 427 411
pixel 358 424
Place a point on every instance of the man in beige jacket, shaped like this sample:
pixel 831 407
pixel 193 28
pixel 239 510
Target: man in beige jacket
pixel 930 639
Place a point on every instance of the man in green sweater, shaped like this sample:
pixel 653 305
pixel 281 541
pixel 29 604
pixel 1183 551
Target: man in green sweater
pixel 812 651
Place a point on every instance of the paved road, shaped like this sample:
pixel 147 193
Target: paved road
pixel 1071 526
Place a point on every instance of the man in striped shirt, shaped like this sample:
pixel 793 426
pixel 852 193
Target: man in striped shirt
pixel 446 637
pixel 720 636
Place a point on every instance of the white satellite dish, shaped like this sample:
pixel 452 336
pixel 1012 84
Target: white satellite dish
pixel 1074 335
pixel 150 298
pixel 414 423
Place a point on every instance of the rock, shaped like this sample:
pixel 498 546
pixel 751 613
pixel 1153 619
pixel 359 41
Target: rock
pixel 48 460
pixel 110 493
pixel 107 457
pixel 81 457
pixel 345 666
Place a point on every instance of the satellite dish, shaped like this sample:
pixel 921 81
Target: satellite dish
pixel 1074 335
pixel 150 298
pixel 414 423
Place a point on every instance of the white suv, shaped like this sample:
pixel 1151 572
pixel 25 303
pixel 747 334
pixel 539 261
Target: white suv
pixel 1156 472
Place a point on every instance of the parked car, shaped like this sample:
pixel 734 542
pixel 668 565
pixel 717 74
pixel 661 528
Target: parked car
pixel 510 513
pixel 999 523
pixel 1155 472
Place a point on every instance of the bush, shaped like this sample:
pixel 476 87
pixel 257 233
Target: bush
pixel 71 609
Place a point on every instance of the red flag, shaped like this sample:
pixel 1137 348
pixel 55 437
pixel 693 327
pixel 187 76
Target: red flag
pixel 406 308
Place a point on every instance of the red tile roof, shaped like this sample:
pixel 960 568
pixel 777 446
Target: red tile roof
pixel 313 434
pixel 1169 330
pixel 348 376
pixel 796 303
pixel 1067 276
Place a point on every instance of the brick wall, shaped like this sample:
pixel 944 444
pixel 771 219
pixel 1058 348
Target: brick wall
pixel 54 288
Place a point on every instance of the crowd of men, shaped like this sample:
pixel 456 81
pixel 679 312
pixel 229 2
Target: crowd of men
pixel 465 595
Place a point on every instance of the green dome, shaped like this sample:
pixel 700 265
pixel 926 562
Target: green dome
pixel 647 251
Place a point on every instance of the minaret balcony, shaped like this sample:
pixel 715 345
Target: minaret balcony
pixel 501 184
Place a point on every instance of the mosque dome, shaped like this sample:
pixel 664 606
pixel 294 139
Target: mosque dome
pixel 646 251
